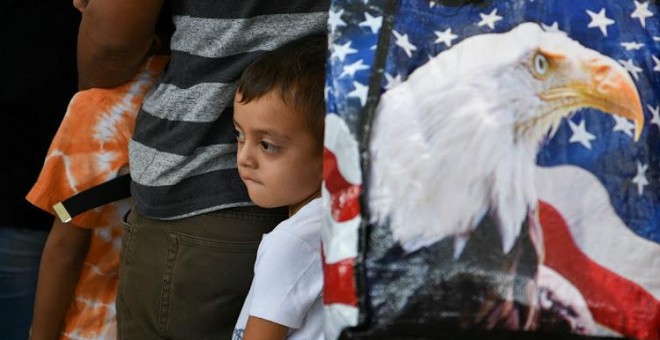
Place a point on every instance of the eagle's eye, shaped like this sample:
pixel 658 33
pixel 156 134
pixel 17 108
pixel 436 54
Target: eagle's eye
pixel 541 64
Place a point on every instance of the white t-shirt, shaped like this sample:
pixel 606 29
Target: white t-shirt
pixel 288 277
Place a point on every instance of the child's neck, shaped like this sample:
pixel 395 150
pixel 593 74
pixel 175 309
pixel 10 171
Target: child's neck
pixel 296 207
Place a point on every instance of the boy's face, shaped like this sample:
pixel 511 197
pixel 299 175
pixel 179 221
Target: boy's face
pixel 279 159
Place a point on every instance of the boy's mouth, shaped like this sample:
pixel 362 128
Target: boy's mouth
pixel 247 178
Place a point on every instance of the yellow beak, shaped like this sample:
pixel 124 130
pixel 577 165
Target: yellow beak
pixel 613 91
pixel 605 86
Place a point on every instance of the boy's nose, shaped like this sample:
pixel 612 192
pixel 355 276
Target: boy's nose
pixel 244 157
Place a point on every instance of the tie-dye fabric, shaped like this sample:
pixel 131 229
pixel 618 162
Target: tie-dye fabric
pixel 90 148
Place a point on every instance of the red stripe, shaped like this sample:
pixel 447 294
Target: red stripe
pixel 339 282
pixel 344 196
pixel 614 301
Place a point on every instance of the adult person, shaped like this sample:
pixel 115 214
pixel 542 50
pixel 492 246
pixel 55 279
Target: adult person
pixel 38 79
pixel 191 239
pixel 78 275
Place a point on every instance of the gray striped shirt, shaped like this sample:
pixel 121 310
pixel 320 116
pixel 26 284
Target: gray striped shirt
pixel 182 155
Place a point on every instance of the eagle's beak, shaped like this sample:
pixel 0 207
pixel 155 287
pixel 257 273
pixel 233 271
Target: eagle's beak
pixel 604 85
pixel 613 91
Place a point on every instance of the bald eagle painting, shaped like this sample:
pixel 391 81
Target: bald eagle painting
pixel 457 184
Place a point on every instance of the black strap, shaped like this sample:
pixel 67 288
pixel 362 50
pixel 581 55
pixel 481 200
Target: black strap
pixel 110 191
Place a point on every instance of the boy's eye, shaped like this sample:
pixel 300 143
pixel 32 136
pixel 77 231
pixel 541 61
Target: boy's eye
pixel 239 135
pixel 268 147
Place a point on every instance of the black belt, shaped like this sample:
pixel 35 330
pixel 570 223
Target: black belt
pixel 110 191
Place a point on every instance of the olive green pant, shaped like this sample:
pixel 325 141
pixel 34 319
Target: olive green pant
pixel 187 278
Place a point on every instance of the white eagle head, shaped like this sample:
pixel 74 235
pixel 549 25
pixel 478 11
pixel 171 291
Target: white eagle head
pixel 458 139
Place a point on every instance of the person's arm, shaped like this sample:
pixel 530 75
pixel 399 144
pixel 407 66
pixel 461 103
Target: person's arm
pixel 115 38
pixel 61 263
pixel 261 329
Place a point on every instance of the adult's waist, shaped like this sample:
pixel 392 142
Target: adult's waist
pixel 215 190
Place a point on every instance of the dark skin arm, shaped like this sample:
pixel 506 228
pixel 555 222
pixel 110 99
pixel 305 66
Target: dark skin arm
pixel 61 263
pixel 261 329
pixel 114 40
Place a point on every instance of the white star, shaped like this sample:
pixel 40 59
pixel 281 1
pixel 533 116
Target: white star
pixel 352 68
pixel 431 4
pixel 429 56
pixel 580 134
pixel 641 12
pixel 656 38
pixel 403 42
pixel 489 19
pixel 656 115
pixel 374 23
pixel 445 37
pixel 341 51
pixel 392 81
pixel 632 45
pixel 552 28
pixel 624 125
pixel 600 20
pixel 630 66
pixel 657 63
pixel 640 178
pixel 360 92
pixel 334 19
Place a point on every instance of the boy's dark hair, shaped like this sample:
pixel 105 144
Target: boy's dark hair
pixel 297 71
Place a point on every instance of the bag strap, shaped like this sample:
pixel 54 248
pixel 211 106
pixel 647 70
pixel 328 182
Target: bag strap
pixel 104 193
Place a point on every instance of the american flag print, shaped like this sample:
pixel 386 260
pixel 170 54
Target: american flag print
pixel 597 176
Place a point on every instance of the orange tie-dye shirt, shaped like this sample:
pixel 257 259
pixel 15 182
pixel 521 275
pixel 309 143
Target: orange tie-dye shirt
pixel 90 148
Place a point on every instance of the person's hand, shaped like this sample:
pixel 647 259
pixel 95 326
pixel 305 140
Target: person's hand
pixel 80 4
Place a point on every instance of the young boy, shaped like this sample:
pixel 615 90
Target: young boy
pixel 279 114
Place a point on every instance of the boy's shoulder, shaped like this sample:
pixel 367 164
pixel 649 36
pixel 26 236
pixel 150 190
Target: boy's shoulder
pixel 303 226
pixel 293 247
